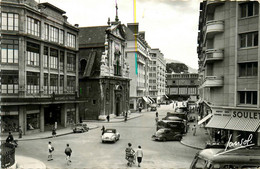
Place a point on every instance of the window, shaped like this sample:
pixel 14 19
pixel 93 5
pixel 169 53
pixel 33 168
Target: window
pixel 10 21
pixel 249 9
pixel 71 40
pixel 117 69
pixel 45 83
pixel 248 97
pixel 9 82
pixel 249 39
pixel 33 80
pixel 61 37
pixel 33 26
pixel 33 54
pixel 54 59
pixel 71 82
pixel 71 62
pixel 248 69
pixel 9 51
pixel 46 31
pixel 45 57
pixel 61 84
pixel 53 83
pixel 54 34
pixel 61 65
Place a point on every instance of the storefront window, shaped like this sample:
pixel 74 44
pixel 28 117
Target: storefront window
pixel 33 121
pixel 71 113
pixel 9 119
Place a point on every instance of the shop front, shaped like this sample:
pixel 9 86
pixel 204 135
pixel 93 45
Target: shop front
pixel 235 125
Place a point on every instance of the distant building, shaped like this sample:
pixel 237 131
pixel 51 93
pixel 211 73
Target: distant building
pixel 229 69
pixel 137 55
pixel 157 75
pixel 182 86
pixel 104 72
pixel 39 70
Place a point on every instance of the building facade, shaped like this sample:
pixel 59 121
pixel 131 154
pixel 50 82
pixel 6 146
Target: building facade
pixel 137 52
pixel 229 69
pixel 182 86
pixel 104 72
pixel 157 75
pixel 39 71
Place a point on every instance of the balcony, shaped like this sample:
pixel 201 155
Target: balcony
pixel 214 27
pixel 213 55
pixel 213 81
pixel 211 5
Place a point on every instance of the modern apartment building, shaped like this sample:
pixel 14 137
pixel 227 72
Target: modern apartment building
pixel 229 69
pixel 39 68
pixel 157 75
pixel 137 56
pixel 104 72
pixel 182 86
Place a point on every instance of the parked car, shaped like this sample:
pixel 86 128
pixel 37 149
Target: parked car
pixel 80 127
pixel 110 135
pixel 166 134
pixel 153 107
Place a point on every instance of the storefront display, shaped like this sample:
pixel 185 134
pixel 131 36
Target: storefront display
pixel 9 119
pixel 33 121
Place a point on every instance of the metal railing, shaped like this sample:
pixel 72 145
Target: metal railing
pixel 7 155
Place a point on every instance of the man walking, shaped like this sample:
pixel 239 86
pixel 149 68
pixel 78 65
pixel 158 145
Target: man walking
pixel 194 130
pixel 103 130
pixel 139 154
pixel 68 152
pixel 50 149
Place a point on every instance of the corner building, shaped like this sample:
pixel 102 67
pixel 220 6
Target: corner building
pixel 229 69
pixel 104 73
pixel 39 69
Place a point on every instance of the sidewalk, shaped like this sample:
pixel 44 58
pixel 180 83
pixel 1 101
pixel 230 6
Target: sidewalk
pixel 199 140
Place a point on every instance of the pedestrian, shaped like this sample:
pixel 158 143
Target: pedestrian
pixel 125 116
pixel 53 131
pixel 103 130
pixel 156 119
pixel 156 114
pixel 20 132
pixel 50 149
pixel 10 138
pixel 139 155
pixel 68 152
pixel 108 117
pixel 194 130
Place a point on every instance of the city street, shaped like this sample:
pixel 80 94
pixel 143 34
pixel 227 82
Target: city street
pixel 90 152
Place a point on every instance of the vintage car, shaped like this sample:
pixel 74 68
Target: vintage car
pixel 153 107
pixel 80 127
pixel 176 126
pixel 110 135
pixel 166 134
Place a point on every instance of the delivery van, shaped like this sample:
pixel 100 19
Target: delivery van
pixel 244 158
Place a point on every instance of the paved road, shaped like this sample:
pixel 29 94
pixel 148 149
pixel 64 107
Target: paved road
pixel 89 152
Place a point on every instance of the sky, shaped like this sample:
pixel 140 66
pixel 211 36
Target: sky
pixel 170 25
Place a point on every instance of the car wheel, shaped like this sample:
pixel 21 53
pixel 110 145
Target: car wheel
pixel 74 131
pixel 82 131
pixel 103 141
pixel 114 140
pixel 164 139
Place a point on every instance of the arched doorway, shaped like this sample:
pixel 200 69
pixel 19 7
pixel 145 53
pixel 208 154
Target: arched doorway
pixel 118 99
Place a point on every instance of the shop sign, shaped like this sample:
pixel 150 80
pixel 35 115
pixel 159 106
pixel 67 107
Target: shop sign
pixel 246 114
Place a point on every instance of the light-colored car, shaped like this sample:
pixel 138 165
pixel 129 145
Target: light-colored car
pixel 110 135
pixel 80 127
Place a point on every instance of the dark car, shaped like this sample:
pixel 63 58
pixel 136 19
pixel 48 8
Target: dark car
pixel 177 126
pixel 166 134
pixel 182 110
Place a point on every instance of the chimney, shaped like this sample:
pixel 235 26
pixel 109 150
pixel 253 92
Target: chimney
pixel 133 27
pixel 65 18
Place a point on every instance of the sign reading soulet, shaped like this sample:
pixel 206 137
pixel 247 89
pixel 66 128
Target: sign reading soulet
pixel 246 114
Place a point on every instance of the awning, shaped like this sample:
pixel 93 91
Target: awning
pixel 218 121
pixel 243 124
pixel 205 119
pixel 151 99
pixel 146 99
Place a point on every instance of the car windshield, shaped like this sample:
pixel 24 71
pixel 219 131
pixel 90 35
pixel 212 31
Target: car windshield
pixel 110 131
pixel 160 131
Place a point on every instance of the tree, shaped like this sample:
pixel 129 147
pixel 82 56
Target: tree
pixel 176 67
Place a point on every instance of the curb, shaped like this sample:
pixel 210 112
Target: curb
pixel 194 147
pixel 58 135
pixel 105 121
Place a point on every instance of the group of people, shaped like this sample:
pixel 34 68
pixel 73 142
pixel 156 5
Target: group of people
pixel 130 155
pixel 67 152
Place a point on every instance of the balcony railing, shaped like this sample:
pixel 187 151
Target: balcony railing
pixel 213 81
pixel 213 55
pixel 214 27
